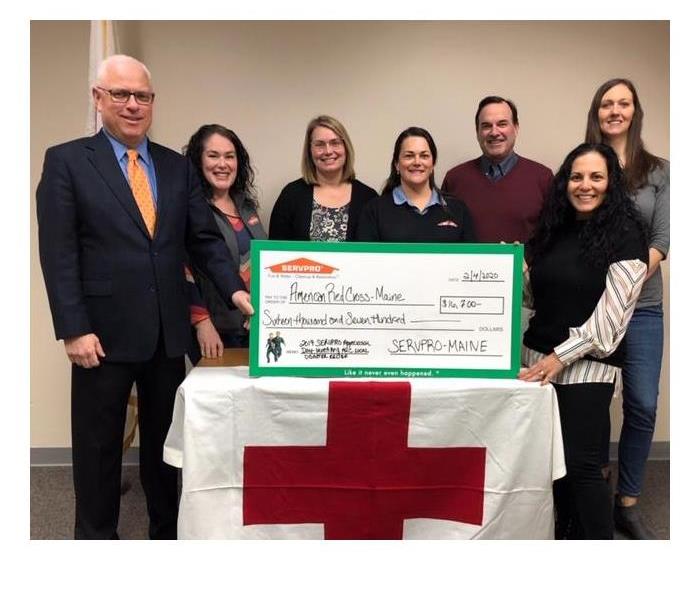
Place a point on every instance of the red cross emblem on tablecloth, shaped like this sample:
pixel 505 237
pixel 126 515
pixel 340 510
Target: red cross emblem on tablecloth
pixel 366 480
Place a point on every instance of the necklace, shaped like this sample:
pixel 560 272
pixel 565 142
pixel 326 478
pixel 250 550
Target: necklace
pixel 223 212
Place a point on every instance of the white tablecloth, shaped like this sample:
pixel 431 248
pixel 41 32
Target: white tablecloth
pixel 220 411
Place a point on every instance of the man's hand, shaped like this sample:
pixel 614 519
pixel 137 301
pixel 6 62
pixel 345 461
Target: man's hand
pixel 241 300
pixel 210 344
pixel 84 350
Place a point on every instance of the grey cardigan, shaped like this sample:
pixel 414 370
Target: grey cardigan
pixel 653 202
pixel 223 317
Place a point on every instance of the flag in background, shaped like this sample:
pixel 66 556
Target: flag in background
pixel 103 43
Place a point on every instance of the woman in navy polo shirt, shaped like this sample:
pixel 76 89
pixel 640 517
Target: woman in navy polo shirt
pixel 411 207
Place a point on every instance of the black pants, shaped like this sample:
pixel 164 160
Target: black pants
pixel 582 498
pixel 98 411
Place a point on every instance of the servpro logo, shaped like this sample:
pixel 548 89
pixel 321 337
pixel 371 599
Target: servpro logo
pixel 301 266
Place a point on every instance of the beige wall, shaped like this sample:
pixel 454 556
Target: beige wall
pixel 267 79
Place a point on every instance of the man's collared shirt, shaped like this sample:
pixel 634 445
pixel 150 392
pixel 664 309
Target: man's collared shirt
pixel 144 157
pixel 497 171
pixel 400 198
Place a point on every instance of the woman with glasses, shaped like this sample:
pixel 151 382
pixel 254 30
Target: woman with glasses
pixel 224 170
pixel 325 204
pixel 411 208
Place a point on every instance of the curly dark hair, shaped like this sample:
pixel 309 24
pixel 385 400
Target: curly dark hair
pixel 600 233
pixel 394 179
pixel 243 186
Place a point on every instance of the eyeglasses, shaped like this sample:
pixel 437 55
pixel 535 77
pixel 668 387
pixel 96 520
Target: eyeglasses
pixel 122 96
pixel 320 145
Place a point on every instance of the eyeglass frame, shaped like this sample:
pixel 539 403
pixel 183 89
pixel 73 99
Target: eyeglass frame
pixel 334 144
pixel 130 92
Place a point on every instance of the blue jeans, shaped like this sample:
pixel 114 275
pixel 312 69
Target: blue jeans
pixel 640 379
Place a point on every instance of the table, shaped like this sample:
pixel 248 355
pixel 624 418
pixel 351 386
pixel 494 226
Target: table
pixel 232 357
pixel 308 458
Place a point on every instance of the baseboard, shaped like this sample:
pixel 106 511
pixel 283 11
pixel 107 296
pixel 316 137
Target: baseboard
pixel 62 457
pixel 56 457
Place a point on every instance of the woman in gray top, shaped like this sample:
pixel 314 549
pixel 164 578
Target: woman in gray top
pixel 615 118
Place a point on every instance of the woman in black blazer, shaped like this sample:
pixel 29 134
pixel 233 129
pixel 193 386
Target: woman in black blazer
pixel 325 203
pixel 224 170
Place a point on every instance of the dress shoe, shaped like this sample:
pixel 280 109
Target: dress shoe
pixel 628 520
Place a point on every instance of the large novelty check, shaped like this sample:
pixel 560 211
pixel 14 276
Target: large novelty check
pixel 385 310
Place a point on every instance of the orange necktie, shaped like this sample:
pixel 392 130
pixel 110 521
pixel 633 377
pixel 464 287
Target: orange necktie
pixel 138 180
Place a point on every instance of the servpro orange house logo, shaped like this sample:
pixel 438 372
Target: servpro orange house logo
pixel 301 266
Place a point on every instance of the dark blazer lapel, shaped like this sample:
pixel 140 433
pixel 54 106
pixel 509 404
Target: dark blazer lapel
pixel 164 184
pixel 227 233
pixel 101 155
pixel 256 229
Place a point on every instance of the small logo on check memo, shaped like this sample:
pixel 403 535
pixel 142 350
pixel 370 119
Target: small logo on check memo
pixel 301 266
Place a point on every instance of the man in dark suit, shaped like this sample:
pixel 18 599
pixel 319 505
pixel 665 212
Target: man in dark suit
pixel 117 214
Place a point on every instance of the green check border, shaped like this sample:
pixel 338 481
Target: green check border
pixel 259 246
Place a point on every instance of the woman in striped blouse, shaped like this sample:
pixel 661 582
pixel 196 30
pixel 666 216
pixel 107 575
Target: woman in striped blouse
pixel 585 266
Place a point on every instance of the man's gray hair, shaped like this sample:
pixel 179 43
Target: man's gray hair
pixel 119 59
